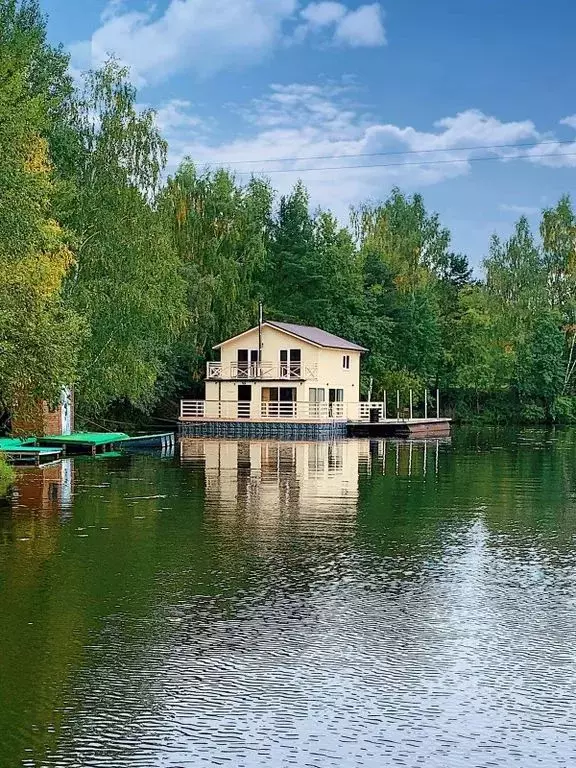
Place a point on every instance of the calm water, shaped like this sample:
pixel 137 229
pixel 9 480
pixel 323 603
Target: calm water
pixel 309 605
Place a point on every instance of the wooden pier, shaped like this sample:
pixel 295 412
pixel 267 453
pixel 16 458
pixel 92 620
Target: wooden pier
pixel 91 443
pixel 25 452
pixel 436 427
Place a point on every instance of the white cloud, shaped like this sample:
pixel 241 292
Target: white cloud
pixel 569 121
pixel 323 14
pixel 363 27
pixel 300 126
pixel 204 36
pixel 175 115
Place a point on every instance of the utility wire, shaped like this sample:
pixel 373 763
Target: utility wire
pixel 393 153
pixel 403 165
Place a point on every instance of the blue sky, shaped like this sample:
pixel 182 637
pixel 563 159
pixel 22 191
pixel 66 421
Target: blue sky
pixel 267 80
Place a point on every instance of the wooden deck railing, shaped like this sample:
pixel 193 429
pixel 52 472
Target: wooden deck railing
pixel 392 409
pixel 193 410
pixel 270 371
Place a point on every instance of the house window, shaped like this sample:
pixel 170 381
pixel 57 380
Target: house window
pixel 247 366
pixel 290 363
pixel 346 362
pixel 317 397
pixel 335 400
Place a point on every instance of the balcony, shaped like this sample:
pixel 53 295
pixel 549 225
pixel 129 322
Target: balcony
pixel 261 372
pixel 228 410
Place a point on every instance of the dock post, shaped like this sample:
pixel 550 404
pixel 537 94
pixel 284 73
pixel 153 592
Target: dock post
pixel 411 406
pixel 425 403
pixel 397 405
pixel 438 404
pixel 385 405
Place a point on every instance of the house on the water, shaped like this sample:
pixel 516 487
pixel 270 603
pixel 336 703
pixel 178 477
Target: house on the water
pixel 278 373
pixel 295 381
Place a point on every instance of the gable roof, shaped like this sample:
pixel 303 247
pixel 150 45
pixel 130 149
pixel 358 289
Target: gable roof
pixel 312 335
pixel 317 336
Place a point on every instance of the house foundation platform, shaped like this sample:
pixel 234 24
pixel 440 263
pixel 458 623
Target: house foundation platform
pixel 313 430
pixel 257 429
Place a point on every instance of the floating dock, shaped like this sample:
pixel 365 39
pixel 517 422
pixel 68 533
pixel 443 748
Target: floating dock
pixel 408 428
pixel 84 442
pixel 24 452
pixel 96 443
pixel 164 442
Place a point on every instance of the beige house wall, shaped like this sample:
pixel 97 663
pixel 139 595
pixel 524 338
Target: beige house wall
pixel 329 364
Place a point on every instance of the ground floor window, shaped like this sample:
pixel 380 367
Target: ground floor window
pixel 279 401
pixel 316 396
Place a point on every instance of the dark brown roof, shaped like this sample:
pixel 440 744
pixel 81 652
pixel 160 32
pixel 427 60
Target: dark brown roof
pixel 316 336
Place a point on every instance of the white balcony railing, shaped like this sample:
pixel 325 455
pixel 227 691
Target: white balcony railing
pixel 195 410
pixel 191 410
pixel 270 371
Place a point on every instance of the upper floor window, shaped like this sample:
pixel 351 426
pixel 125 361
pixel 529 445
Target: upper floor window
pixel 290 363
pixel 346 362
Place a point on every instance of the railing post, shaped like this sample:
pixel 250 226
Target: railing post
pixel 411 406
pixel 385 405
pixel 425 403
pixel 397 405
pixel 438 404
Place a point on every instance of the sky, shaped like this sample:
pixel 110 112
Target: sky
pixel 355 96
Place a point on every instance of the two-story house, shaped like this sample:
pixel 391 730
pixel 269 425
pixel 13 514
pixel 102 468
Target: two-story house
pixel 280 371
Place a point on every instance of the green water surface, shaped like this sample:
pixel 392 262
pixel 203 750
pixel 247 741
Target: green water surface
pixel 294 604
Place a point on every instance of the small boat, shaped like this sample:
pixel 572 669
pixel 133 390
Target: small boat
pixel 144 443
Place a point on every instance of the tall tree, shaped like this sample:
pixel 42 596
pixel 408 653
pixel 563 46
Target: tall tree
pixel 38 335
pixel 127 281
pixel 288 275
pixel 220 232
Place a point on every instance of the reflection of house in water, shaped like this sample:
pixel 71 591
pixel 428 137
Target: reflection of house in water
pixel 406 458
pixel 48 488
pixel 279 477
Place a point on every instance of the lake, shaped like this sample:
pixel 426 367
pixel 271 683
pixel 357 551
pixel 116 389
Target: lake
pixel 248 604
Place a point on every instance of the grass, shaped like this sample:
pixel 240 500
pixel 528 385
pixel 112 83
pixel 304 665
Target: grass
pixel 7 476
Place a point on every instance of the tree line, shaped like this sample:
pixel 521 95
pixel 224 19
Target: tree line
pixel 119 278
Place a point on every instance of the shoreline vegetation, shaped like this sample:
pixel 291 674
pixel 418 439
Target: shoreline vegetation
pixel 119 278
pixel 7 476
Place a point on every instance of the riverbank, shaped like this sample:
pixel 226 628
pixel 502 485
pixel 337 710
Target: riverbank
pixel 7 476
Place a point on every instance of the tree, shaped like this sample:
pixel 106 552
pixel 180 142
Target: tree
pixel 126 281
pixel 410 241
pixel 39 336
pixel 219 230
pixel 539 371
pixel 288 277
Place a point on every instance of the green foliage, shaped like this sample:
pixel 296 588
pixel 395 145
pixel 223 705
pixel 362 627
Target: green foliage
pixel 120 280
pixel 7 476
pixel 39 335
pixel 219 232
pixel 127 282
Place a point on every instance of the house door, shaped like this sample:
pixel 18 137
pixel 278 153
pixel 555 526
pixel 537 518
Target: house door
pixel 317 397
pixel 290 363
pixel 244 401
pixel 288 397
pixel 336 404
pixel 248 363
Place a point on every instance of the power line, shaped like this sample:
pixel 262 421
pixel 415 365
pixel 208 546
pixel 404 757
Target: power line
pixel 393 153
pixel 403 165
